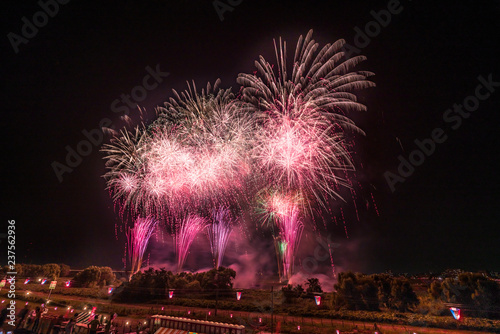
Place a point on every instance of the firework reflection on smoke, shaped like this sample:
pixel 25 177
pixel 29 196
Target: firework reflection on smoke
pixel 187 230
pixel 138 238
pixel 218 233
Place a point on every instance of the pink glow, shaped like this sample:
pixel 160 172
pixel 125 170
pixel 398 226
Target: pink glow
pixel 187 230
pixel 284 211
pixel 218 233
pixel 138 238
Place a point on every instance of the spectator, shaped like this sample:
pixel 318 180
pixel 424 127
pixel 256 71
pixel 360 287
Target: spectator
pixel 21 315
pixel 71 323
pixel 94 325
pixel 109 325
pixel 3 316
pixel 38 315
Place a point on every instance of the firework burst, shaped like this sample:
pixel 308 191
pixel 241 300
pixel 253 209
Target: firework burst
pixel 301 145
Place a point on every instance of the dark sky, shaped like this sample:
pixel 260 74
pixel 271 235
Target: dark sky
pixel 64 79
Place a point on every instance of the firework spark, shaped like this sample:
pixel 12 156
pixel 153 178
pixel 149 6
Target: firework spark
pixel 283 213
pixel 218 233
pixel 187 230
pixel 138 238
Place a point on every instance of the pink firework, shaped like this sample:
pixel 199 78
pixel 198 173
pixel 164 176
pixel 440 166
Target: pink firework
pixel 301 145
pixel 284 211
pixel 138 238
pixel 195 155
pixel 218 233
pixel 187 230
pixel 288 134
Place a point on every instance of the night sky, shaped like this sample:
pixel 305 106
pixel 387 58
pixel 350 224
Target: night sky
pixel 64 79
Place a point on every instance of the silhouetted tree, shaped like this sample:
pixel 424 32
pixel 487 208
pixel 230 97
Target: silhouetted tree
pixel 474 290
pixel 65 269
pixel 435 290
pixel 402 295
pixel 313 285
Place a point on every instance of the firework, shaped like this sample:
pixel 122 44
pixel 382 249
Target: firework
pixel 301 142
pixel 284 214
pixel 218 233
pixel 216 136
pixel 287 137
pixel 197 153
pixel 187 230
pixel 126 177
pixel 301 146
pixel 138 238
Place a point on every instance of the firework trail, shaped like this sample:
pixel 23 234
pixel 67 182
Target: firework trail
pixel 283 213
pixel 138 238
pixel 187 230
pixel 218 233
